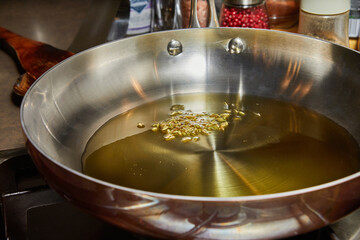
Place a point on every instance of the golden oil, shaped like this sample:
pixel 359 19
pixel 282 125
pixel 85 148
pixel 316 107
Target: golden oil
pixel 273 147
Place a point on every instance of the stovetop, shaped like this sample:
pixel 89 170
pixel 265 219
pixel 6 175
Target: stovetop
pixel 32 210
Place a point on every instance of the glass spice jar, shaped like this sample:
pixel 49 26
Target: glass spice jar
pixel 283 14
pixel 325 19
pixel 244 13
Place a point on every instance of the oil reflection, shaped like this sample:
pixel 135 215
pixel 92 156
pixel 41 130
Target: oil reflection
pixel 291 74
pixel 296 87
pixel 138 88
pixel 290 83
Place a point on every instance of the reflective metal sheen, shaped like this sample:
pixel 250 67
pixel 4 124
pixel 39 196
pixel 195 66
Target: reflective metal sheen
pixel 64 108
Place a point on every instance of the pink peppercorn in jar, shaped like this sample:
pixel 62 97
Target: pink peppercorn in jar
pixel 244 13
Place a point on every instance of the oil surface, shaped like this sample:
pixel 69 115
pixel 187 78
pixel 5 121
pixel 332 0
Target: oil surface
pixel 276 147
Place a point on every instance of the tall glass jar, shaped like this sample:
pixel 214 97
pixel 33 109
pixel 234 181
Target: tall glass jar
pixel 163 15
pixel 244 13
pixel 325 19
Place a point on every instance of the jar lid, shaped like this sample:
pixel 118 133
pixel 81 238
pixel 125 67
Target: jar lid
pixel 325 7
pixel 243 2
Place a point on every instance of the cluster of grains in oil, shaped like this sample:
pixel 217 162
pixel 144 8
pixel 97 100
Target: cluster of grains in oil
pixel 275 147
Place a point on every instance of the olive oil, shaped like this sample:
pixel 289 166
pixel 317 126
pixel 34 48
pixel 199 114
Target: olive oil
pixel 274 147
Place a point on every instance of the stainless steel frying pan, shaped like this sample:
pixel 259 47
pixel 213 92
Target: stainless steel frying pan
pixel 71 101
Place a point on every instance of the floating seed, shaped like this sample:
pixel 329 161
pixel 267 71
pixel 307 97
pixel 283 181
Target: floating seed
pixel 176 133
pixel 224 124
pixel 176 107
pixel 195 139
pixel 205 132
pixel 257 114
pixel 140 125
pixel 225 115
pixel 169 137
pixel 186 139
pixel 164 129
pixel 214 115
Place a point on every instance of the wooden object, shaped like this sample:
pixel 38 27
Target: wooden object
pixel 33 58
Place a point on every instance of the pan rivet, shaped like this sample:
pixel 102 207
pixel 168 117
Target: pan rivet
pixel 235 46
pixel 174 47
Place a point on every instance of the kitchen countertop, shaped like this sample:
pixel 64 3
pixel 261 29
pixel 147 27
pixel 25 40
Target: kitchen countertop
pixel 49 21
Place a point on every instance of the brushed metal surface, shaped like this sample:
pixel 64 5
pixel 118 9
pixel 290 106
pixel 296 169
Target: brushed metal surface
pixel 70 102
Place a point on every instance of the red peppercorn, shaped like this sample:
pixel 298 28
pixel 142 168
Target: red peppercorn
pixel 254 16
